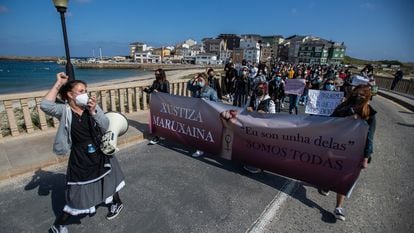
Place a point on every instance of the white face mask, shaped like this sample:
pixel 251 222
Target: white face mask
pixel 82 99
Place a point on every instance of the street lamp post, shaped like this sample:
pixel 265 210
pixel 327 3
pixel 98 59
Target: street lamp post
pixel 260 51
pixel 61 6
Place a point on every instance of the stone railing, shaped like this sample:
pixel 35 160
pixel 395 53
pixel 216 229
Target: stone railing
pixel 20 114
pixel 405 86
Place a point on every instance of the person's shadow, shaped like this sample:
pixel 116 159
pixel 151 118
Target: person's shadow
pixel 53 184
pixel 273 180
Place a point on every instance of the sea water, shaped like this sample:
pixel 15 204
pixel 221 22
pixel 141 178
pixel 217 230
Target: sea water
pixel 26 76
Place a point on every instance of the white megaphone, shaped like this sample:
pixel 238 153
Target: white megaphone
pixel 118 125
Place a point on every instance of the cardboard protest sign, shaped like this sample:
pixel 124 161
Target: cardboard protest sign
pixel 323 102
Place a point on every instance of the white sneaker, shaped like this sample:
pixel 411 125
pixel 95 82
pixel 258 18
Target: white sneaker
pixel 253 170
pixel 339 214
pixel 58 229
pixel 198 153
pixel 154 141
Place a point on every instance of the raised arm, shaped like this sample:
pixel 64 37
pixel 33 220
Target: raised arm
pixel 61 79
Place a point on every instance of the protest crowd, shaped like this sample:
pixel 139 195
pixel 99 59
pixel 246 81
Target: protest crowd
pixel 257 87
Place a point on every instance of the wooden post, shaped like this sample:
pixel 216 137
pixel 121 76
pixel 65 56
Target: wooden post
pixel 42 116
pixel 8 105
pixel 103 101
pixel 122 100
pixel 129 99
pixel 26 115
pixel 180 89
pixel 137 99
pixel 113 103
pixel 144 101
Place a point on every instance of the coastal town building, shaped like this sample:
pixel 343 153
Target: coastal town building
pixel 232 40
pixel 273 41
pixel 336 52
pixel 119 58
pixel 137 47
pixel 146 57
pixel 250 47
pixel 163 52
pixel 266 53
pixel 206 59
pixel 237 55
pixel 321 51
pixel 225 55
pixel 212 45
pixel 294 42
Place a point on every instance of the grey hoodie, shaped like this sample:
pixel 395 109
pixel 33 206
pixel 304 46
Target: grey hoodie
pixel 63 141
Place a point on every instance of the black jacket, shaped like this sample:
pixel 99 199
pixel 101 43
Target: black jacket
pixel 160 87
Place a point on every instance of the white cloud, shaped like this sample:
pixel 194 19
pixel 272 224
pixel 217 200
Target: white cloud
pixel 3 9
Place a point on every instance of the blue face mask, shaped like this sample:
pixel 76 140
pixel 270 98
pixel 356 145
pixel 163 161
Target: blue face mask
pixel 330 87
pixel 278 78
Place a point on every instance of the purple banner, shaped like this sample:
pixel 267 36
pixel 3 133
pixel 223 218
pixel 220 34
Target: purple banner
pixel 295 86
pixel 322 151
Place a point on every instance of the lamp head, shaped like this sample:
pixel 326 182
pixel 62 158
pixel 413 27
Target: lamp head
pixel 61 5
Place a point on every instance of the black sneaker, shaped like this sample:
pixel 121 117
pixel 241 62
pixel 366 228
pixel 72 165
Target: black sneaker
pixel 339 214
pixel 58 229
pixel 114 211
pixel 154 141
pixel 323 192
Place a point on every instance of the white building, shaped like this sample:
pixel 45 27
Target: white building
pixel 251 49
pixel 206 59
pixel 137 47
pixel 146 57
pixel 225 55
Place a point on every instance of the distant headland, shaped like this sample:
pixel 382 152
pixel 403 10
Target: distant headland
pixel 27 58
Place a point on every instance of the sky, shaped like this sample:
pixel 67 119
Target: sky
pixel 373 30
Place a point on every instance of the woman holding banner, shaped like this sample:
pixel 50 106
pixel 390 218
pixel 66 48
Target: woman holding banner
pixel 200 88
pixel 356 105
pixel 92 177
pixel 160 84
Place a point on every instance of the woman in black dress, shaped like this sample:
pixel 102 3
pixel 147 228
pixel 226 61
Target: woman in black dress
pixel 92 177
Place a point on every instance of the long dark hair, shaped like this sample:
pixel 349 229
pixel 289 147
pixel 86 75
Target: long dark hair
pixel 63 91
pixel 161 77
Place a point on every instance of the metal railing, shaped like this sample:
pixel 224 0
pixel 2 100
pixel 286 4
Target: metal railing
pixel 404 86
